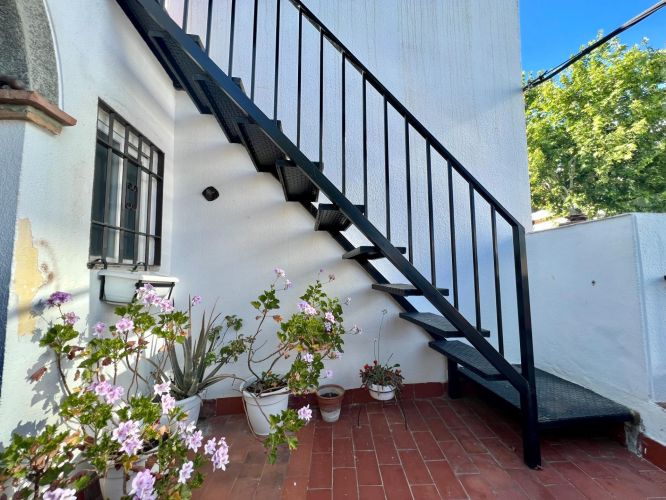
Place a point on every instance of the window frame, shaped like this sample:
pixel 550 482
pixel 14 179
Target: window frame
pixel 154 177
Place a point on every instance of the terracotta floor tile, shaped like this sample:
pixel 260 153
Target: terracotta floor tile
pixel 343 452
pixel 425 492
pixel 323 439
pixel 385 449
pixel 321 471
pixel 476 487
pixel 402 438
pixel 426 409
pixel 378 424
pixel 371 492
pixel 581 481
pixel 320 494
pixel 532 487
pixel 393 414
pixel 468 441
pixel 450 417
pixel 568 492
pixel 367 468
pixel 427 446
pixel 343 427
pixel 439 429
pixel 457 458
pixel 244 487
pixel 447 483
pixel 344 484
pixel 414 467
pixel 295 489
pixel 492 473
pixel 395 483
pixel 362 437
pixel 502 454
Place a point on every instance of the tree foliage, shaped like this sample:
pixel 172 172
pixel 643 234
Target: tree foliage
pixel 597 135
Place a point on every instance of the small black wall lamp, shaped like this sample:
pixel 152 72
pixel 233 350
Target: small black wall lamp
pixel 210 193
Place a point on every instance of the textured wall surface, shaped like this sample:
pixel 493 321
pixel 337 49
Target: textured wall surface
pixel 27 46
pixel 598 306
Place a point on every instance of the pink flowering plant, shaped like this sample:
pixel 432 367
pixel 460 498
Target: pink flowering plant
pixel 312 334
pixel 111 415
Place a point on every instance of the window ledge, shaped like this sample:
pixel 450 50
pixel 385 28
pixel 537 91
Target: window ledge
pixel 31 106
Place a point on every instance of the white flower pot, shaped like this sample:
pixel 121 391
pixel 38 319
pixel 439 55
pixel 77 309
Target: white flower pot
pixel 111 485
pixel 382 392
pixel 191 406
pixel 259 408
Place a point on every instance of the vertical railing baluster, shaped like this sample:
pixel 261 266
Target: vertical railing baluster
pixel 387 186
pixel 475 257
pixel 277 62
pixel 209 23
pixel 321 96
pixel 408 177
pixel 498 293
pixel 232 29
pixel 186 12
pixel 452 223
pixel 298 85
pixel 254 47
pixel 344 125
pixel 365 146
pixel 431 223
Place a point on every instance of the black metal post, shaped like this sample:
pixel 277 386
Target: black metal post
pixel 277 62
pixel 498 288
pixel 475 258
pixel 408 177
pixel 209 23
pixel 431 223
pixel 232 28
pixel 254 47
pixel 452 231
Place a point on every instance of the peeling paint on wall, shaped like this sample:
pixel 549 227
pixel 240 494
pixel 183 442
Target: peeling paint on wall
pixel 28 276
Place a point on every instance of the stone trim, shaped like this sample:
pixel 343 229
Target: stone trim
pixel 31 106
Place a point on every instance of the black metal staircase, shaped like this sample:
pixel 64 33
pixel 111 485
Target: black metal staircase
pixel 542 398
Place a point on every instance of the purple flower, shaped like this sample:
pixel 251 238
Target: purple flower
pixel 168 403
pixel 221 456
pixel 162 388
pixel 328 373
pixel 125 325
pixel 56 299
pixel 185 428
pixel 101 388
pixel 131 446
pixel 166 306
pixel 328 326
pixel 70 318
pixel 287 284
pixel 279 272
pixel 126 430
pixel 305 413
pixel 307 308
pixel 308 357
pixel 329 317
pixel 185 472
pixel 147 294
pixel 196 300
pixel 114 394
pixel 210 446
pixel 194 440
pixel 60 494
pixel 143 486
pixel 99 328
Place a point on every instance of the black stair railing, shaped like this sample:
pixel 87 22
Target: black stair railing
pixel 452 174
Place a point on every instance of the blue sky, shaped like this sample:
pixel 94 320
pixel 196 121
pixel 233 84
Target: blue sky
pixel 552 30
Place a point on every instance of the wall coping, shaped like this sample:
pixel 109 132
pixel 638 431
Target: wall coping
pixel 31 106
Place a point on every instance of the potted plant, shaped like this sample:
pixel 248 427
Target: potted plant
pixel 329 400
pixel 384 381
pixel 309 336
pixel 195 363
pixel 109 415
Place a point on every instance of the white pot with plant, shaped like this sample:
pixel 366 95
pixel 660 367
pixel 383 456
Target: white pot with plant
pixel 309 336
pixel 195 363
pixel 384 381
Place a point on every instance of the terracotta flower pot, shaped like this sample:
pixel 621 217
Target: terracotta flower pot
pixel 329 399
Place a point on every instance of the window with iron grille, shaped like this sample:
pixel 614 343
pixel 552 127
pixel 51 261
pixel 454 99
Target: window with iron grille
pixel 126 220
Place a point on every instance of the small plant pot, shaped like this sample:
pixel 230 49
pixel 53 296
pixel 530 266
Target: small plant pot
pixel 192 408
pixel 259 408
pixel 329 399
pixel 381 392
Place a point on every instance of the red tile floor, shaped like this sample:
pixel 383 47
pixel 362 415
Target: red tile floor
pixel 453 449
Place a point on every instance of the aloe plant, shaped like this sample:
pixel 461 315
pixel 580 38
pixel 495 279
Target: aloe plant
pixel 202 358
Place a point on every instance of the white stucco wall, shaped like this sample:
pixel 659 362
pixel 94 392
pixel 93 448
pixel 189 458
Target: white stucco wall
pixel 100 56
pixel 598 309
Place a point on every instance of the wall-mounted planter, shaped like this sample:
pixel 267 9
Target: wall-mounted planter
pixel 119 287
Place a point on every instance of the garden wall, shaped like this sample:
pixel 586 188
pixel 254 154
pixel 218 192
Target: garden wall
pixel 599 310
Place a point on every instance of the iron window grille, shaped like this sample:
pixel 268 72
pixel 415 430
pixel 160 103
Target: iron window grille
pixel 126 218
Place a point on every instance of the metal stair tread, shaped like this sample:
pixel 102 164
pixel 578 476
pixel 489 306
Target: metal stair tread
pixel 295 184
pixel 368 253
pixel 261 148
pixel 403 289
pixel 559 401
pixel 330 218
pixel 436 324
pixel 465 355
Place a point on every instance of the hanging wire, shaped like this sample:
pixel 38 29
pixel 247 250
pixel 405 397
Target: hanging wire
pixel 558 69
